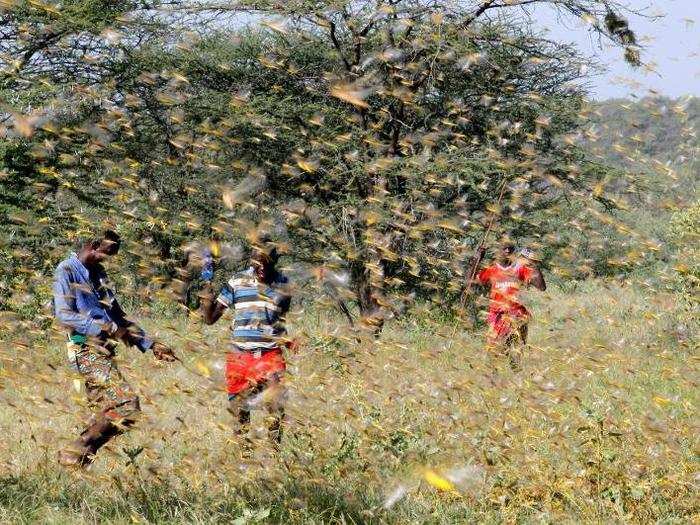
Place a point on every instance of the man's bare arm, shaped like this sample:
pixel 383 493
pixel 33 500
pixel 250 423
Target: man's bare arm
pixel 211 309
pixel 475 265
pixel 537 280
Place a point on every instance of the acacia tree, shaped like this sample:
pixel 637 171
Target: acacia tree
pixel 62 121
pixel 385 130
pixel 384 135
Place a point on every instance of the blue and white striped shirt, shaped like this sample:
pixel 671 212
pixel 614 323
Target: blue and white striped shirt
pixel 259 309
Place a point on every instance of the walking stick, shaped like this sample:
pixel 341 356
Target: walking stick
pixel 475 266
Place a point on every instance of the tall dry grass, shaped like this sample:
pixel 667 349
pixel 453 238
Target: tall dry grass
pixel 600 425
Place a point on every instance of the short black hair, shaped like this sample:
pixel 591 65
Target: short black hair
pixel 111 235
pixel 107 235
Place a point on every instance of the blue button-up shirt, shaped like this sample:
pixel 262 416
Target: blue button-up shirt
pixel 84 308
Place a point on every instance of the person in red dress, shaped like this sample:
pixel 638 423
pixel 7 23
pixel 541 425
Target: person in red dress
pixel 507 317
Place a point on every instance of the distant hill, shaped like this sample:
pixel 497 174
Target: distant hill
pixel 658 128
pixel 655 140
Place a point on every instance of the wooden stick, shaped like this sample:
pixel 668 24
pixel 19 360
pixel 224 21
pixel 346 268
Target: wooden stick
pixel 475 266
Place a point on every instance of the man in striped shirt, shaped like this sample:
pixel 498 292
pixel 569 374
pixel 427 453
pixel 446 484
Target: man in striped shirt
pixel 255 365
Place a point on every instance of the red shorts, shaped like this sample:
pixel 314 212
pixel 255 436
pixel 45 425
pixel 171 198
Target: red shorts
pixel 246 370
pixel 502 322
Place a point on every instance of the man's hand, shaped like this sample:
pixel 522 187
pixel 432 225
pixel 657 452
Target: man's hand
pixel 109 330
pixel 474 270
pixel 125 335
pixel 292 345
pixel 162 352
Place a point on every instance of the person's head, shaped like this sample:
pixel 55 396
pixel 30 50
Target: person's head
pixel 98 249
pixel 264 257
pixel 506 252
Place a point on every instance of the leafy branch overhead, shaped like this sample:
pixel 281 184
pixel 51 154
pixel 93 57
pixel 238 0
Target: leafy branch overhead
pixel 370 136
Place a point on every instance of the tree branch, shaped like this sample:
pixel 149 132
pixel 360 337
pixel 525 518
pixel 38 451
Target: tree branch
pixel 336 44
pixel 480 11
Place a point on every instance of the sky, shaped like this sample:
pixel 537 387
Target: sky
pixel 672 49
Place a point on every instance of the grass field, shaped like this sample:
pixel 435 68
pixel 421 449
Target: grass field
pixel 599 426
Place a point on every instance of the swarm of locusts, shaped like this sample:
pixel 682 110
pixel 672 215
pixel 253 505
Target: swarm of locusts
pixel 448 294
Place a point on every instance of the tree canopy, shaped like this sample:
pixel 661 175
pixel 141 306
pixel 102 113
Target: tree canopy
pixel 380 141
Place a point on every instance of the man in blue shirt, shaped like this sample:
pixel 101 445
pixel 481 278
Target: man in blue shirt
pixel 88 309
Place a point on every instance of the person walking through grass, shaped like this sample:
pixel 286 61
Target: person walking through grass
pixel 508 318
pixel 255 365
pixel 86 306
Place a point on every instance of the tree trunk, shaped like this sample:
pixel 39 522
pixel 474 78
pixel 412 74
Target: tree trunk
pixel 370 309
